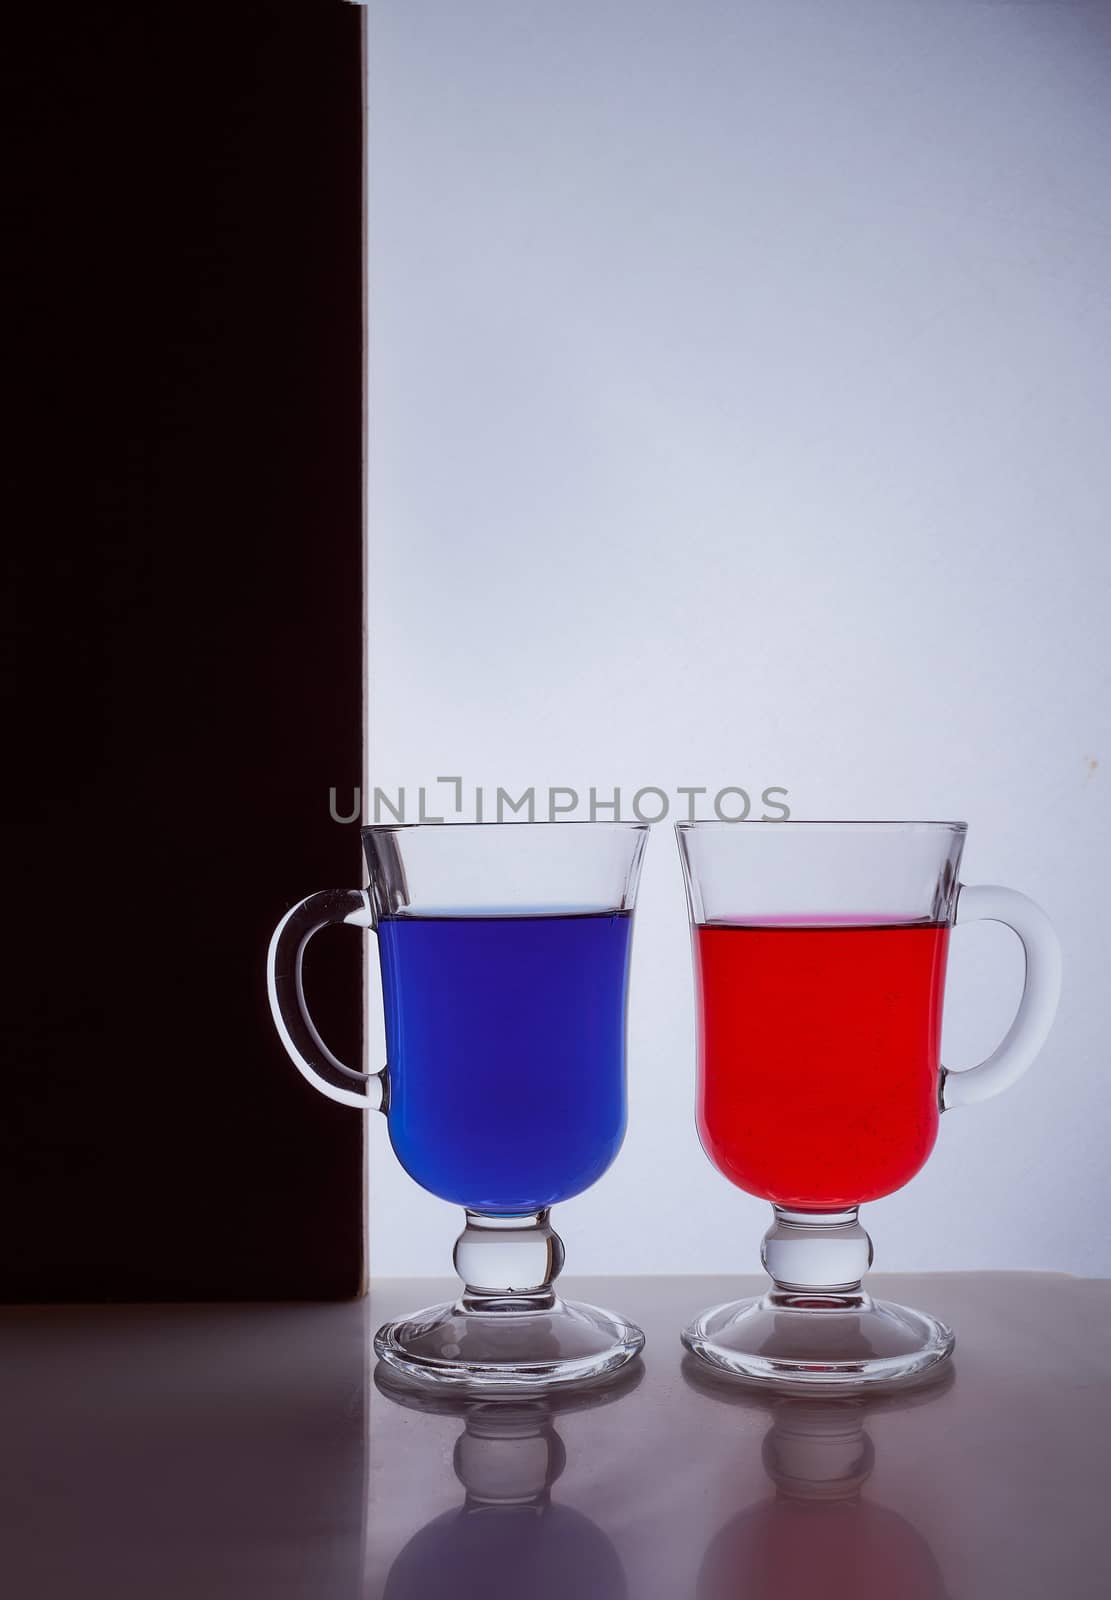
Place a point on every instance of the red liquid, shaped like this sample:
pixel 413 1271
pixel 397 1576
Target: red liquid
pixel 819 1058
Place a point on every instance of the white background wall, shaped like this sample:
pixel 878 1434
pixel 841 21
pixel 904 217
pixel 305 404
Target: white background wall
pixel 740 390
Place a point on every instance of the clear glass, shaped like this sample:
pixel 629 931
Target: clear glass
pixel 820 952
pixel 504 950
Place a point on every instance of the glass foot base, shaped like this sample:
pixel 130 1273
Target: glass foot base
pixel 805 1344
pixel 509 1347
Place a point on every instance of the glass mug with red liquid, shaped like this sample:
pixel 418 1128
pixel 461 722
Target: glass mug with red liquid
pixel 820 952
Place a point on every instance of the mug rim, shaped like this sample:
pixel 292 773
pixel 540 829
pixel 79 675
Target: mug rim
pixel 823 822
pixel 563 822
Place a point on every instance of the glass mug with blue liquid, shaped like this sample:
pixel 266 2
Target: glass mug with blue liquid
pixel 504 950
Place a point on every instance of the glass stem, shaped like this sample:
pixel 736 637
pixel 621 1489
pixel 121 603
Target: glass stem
pixel 816 1253
pixel 508 1263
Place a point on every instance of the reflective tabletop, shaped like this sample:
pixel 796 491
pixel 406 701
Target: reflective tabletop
pixel 171 1451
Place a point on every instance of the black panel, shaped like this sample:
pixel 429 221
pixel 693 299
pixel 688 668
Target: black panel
pixel 185 649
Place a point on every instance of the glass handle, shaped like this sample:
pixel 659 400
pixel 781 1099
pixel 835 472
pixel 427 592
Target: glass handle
pixel 296 1029
pixel 1038 1006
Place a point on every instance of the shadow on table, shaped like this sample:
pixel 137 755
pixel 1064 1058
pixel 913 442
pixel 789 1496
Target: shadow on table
pixel 508 1537
pixel 183 1452
pixel 817 1535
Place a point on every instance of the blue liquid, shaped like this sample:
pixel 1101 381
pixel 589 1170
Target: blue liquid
pixel 506 1049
